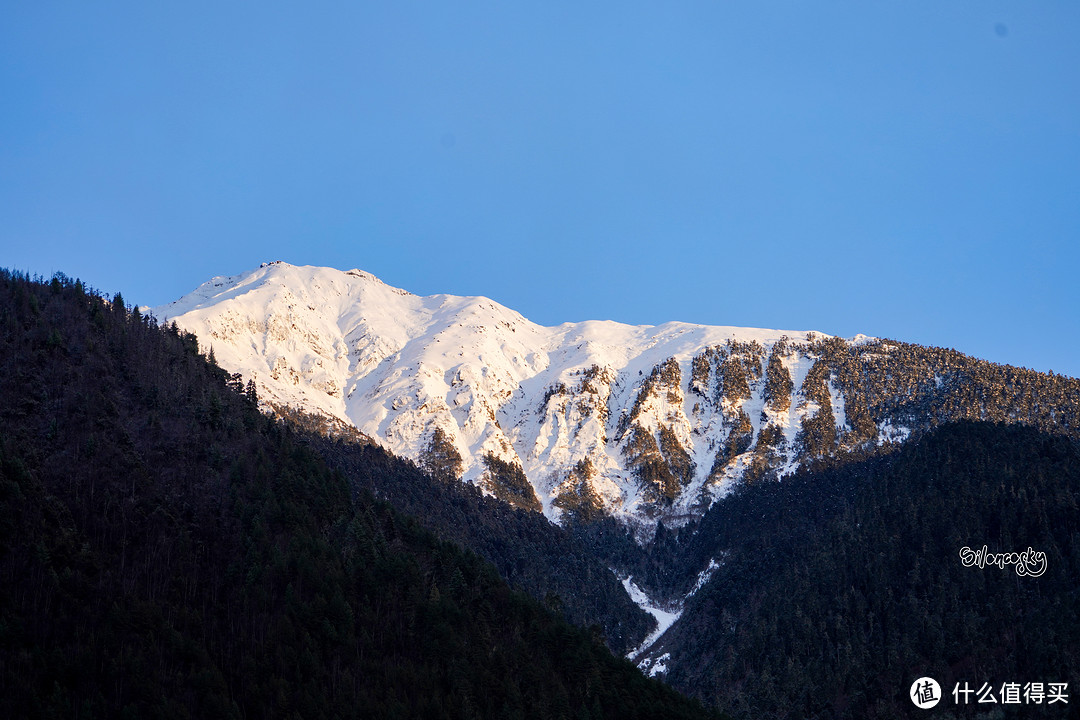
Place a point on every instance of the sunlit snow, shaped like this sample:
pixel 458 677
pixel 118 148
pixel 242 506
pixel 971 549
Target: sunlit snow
pixel 397 365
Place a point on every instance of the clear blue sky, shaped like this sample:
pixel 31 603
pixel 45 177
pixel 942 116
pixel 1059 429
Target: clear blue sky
pixel 908 169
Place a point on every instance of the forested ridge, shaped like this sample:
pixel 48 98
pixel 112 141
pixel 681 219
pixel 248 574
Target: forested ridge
pixel 168 551
pixel 836 589
pixel 543 559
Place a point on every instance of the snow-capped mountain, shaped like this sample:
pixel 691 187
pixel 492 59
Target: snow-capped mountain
pixel 642 422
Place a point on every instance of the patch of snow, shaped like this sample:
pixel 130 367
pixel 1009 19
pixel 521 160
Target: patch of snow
pixel 665 615
pixel 658 666
pixel 836 399
pixel 703 577
pixel 664 618
pixel 889 433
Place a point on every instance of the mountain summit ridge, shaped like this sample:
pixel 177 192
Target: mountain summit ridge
pixel 639 422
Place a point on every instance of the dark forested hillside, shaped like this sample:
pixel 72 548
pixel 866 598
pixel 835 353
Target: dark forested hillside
pixel 837 589
pixel 168 551
pixel 532 554
pixel 543 559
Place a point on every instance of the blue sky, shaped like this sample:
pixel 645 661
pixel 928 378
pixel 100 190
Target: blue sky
pixel 895 168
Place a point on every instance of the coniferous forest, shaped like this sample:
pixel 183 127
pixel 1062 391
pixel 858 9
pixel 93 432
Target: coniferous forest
pixel 168 551
pixel 835 589
pixel 839 588
pixel 542 559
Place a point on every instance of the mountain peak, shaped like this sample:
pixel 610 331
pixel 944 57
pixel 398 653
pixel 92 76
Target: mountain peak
pixel 641 422
pixel 502 394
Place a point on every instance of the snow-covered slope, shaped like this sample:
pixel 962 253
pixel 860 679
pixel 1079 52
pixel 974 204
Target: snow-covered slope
pixel 640 421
